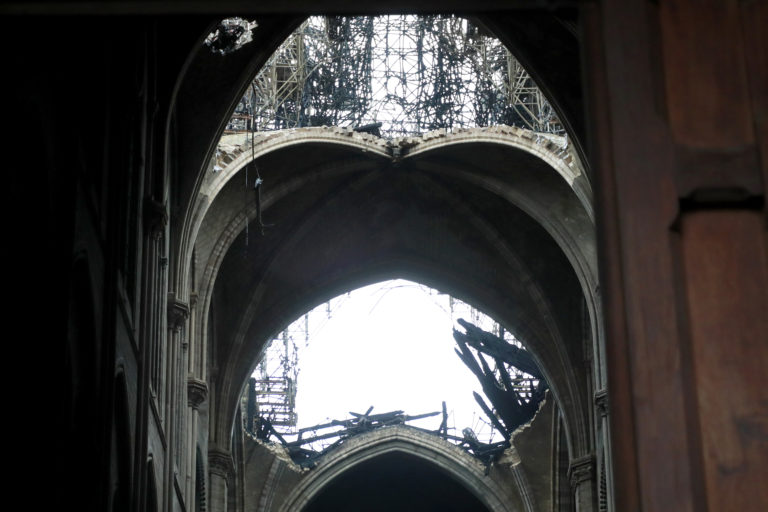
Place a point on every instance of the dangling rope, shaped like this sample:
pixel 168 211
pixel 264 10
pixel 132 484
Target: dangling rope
pixel 245 207
pixel 259 181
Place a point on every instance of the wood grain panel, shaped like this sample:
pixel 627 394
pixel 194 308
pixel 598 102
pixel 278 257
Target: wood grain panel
pixel 725 260
pixel 705 74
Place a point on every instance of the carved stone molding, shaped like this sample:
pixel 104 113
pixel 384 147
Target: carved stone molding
pixel 178 312
pixel 581 470
pixel 197 392
pixel 155 216
pixel 220 463
pixel 601 403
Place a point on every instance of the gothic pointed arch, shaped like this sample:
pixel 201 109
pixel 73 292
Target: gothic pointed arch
pixel 392 449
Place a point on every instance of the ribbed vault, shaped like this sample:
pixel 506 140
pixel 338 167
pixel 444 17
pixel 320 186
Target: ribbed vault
pixel 492 217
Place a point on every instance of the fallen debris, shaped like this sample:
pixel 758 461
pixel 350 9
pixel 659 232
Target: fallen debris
pixel 514 398
pixel 230 35
pixel 361 423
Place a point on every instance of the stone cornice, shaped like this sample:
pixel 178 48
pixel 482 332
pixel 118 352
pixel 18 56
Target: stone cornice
pixel 197 392
pixel 581 470
pixel 601 403
pixel 155 216
pixel 220 463
pixel 178 312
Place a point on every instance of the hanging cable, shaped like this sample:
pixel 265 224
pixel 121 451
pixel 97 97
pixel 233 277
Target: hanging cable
pixel 245 207
pixel 259 181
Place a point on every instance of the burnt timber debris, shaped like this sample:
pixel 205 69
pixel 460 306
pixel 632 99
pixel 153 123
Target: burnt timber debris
pixel 514 398
pixel 230 35
pixel 515 389
pixel 367 422
pixel 357 424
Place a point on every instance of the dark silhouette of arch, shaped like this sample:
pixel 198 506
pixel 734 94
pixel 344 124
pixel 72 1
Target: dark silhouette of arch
pixel 395 481
pixel 121 455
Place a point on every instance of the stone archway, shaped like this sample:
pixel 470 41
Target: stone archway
pixel 498 491
pixel 527 180
pixel 519 218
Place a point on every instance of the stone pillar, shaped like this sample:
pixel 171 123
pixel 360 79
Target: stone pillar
pixel 155 219
pixel 195 357
pixel 582 476
pixel 192 405
pixel 177 313
pixel 604 469
pixel 197 394
pixel 221 469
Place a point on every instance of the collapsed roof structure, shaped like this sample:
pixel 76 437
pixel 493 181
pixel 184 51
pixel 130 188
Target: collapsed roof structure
pixel 392 76
pixel 514 387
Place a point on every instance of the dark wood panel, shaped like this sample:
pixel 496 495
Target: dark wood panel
pixel 725 260
pixel 638 194
pixel 705 74
pixel 754 19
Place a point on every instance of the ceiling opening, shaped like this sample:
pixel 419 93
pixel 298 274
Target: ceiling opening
pixel 359 155
pixel 391 76
pixel 390 353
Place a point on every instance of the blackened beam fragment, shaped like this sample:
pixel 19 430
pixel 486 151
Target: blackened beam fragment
pixel 469 442
pixel 265 429
pixel 491 416
pixel 512 407
pixel 497 347
pixel 301 442
pixel 225 38
pixel 504 375
pixel 308 458
pixel 372 128
pixel 443 430
pixel 504 400
pixel 358 415
pixel 359 424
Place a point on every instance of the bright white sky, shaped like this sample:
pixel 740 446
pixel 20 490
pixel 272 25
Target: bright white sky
pixel 390 346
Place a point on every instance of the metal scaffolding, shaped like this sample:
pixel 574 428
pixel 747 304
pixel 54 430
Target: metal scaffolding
pixel 271 392
pixel 393 76
pixel 272 388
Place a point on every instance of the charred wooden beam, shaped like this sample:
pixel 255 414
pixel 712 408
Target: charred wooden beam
pixel 358 424
pixel 497 347
pixel 491 416
pixel 443 430
pixel 511 407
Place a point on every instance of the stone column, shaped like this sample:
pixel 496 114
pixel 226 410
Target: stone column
pixel 582 476
pixel 155 219
pixel 604 473
pixel 221 469
pixel 197 393
pixel 177 313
